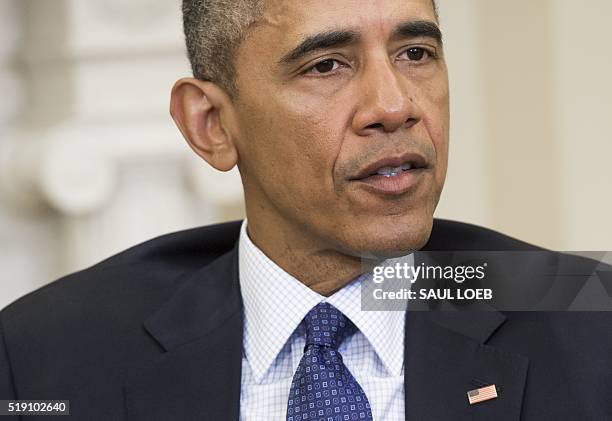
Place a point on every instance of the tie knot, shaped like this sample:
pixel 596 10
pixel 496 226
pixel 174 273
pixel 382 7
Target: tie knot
pixel 326 326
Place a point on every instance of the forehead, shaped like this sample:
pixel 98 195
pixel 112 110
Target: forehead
pixel 296 18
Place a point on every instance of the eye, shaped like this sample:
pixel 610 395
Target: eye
pixel 418 54
pixel 325 66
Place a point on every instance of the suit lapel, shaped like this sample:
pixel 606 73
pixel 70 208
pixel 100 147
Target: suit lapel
pixel 446 355
pixel 200 327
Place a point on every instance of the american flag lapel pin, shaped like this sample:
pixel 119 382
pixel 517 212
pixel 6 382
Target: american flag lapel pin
pixel 482 394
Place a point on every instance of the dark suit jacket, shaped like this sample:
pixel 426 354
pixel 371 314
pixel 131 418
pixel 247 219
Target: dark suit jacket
pixel 155 333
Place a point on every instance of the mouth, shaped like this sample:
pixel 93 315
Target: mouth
pixel 393 175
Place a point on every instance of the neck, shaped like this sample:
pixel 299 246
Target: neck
pixel 318 266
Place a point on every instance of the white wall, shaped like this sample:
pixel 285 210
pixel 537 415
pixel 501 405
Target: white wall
pixel 532 105
pixel 583 116
pixel 91 163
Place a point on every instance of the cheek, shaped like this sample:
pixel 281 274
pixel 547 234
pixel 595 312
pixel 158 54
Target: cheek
pixel 293 147
pixel 314 131
pixel 437 123
pixel 316 145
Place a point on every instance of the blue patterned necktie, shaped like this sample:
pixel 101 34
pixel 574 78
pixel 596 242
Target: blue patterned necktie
pixel 322 387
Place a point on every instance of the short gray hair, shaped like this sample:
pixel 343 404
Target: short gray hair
pixel 214 30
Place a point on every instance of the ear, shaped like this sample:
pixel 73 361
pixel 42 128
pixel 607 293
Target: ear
pixel 203 113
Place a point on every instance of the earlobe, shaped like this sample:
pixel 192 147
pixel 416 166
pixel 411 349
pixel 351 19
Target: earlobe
pixel 202 112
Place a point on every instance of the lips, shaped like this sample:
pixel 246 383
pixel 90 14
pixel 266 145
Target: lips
pixel 392 166
pixel 392 176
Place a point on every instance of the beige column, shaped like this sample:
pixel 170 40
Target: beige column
pixel 523 152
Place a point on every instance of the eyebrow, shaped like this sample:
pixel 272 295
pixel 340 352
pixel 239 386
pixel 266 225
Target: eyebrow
pixel 417 29
pixel 340 38
pixel 322 41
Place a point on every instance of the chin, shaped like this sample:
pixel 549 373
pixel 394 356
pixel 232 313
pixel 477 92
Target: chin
pixel 391 237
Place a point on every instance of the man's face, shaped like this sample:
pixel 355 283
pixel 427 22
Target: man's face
pixel 343 119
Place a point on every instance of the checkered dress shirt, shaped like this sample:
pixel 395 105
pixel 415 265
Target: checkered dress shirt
pixel 275 304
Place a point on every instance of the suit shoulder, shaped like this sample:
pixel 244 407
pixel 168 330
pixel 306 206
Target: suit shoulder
pixel 191 248
pixel 143 275
pixel 458 236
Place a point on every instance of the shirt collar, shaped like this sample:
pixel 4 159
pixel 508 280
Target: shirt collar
pixel 275 303
pixel 383 329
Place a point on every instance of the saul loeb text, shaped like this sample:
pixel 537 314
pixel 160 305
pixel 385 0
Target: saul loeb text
pixel 396 281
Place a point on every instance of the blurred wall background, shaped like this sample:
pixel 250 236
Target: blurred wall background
pixel 91 163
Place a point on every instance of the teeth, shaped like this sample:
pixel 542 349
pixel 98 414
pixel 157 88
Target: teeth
pixel 389 171
pixel 393 171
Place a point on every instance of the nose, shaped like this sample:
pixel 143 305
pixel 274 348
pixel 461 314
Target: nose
pixel 386 100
